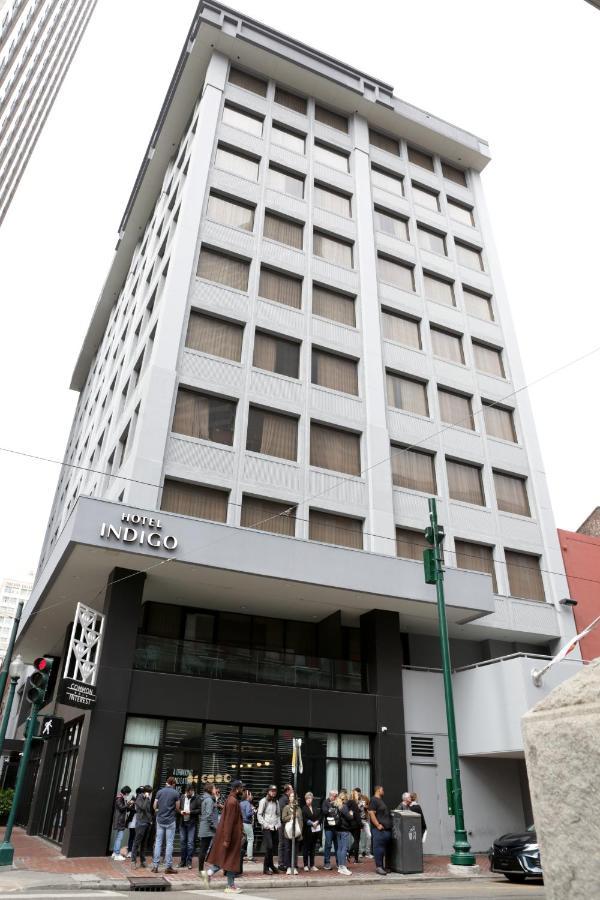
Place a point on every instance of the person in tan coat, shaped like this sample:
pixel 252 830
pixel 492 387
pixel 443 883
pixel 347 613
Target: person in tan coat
pixel 227 843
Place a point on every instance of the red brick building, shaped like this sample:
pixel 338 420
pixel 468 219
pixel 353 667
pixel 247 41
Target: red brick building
pixel 581 555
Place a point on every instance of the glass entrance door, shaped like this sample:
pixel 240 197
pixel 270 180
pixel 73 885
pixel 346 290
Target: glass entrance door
pixel 63 769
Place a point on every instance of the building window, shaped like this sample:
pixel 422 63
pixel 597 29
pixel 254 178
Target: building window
pixel 214 336
pixel 286 289
pixel 203 416
pixel 407 394
pixel 488 359
pixel 511 494
pixel 284 231
pixel 383 142
pixel 387 181
pixel 401 329
pixel 335 449
pixel 499 422
pixel 291 101
pixel 476 558
pixel 330 157
pixel 332 249
pixel 434 241
pixel 419 158
pixel 286 182
pixel 248 82
pixel 460 212
pixel 426 197
pixel 456 409
pixel 389 223
pixel 224 269
pixel 230 212
pixel 395 272
pixel 329 528
pixel 335 372
pixel 524 576
pixel 447 345
pixel 243 120
pixel 413 469
pixel 469 256
pixel 410 544
pixel 268 515
pixel 194 500
pixel 272 433
pixel 464 482
pixel 332 200
pixel 332 119
pixel 333 305
pixel 237 163
pixel 454 174
pixel 275 354
pixel 478 304
pixel 285 137
pixel 438 289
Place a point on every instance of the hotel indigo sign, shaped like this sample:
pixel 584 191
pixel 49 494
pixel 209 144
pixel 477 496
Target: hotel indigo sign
pixel 136 528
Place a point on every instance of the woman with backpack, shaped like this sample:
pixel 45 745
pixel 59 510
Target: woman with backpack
pixel 345 822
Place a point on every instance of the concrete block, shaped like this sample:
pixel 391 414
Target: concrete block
pixel 463 871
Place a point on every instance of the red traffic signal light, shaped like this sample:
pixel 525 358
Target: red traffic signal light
pixel 41 663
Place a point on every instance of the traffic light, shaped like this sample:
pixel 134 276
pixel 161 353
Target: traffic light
pixel 435 537
pixel 37 683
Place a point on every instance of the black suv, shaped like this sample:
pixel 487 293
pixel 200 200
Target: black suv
pixel 517 856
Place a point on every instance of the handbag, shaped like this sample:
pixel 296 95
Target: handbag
pixel 288 829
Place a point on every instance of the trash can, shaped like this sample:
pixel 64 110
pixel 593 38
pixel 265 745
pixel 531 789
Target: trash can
pixel 407 844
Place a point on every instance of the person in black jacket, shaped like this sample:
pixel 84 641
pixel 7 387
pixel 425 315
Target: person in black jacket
pixel 312 818
pixel 356 825
pixel 415 807
pixel 330 834
pixel 344 825
pixel 189 810
pixel 143 823
pixel 122 806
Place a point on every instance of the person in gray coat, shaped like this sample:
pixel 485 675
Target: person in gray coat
pixel 207 823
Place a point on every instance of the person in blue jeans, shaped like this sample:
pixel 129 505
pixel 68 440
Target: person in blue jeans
pixel 166 807
pixel 189 810
pixel 122 806
pixel 329 832
pixel 381 830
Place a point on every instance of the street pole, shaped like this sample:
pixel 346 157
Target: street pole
pixel 10 648
pixel 7 851
pixel 11 693
pixel 462 855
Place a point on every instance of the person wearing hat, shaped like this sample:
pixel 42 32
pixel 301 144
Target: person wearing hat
pixel 227 844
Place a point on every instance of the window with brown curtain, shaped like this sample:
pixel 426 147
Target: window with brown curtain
pixel 477 304
pixel 283 230
pixel 268 515
pixel 279 179
pixel 330 157
pixel 447 345
pixel 204 416
pixel 410 544
pixel 291 101
pixel 336 372
pixel 464 482
pixel 245 121
pixel 400 274
pixel 413 469
pixel 332 529
pixel 285 137
pixel 332 200
pixel 383 142
pixel 454 174
pixel 282 288
pixel 194 500
pixel 438 289
pixel 333 250
pixel 401 329
pixel 431 240
pixel 224 269
pixel 334 120
pixel 272 433
pixel 469 256
pixel 511 494
pixel 387 181
pixel 230 212
pixel 499 422
pixel 419 158
pixel 248 82
pixel 214 336
pixel 426 197
pixel 456 409
pixel 476 558
pixel 488 359
pixel 524 576
pixel 332 448
pixel 407 394
pixel 389 223
pixel 334 306
pixel 275 354
pixel 460 212
pixel 237 163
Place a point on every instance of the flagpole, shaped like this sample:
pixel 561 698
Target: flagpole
pixel 538 674
pixel 294 768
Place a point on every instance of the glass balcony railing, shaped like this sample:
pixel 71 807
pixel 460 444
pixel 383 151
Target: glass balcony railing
pixel 205 660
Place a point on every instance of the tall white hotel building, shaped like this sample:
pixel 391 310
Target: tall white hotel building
pixel 303 335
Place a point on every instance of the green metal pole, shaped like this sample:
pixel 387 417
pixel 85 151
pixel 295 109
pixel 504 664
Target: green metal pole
pixel 11 693
pixel 462 855
pixel 9 650
pixel 7 851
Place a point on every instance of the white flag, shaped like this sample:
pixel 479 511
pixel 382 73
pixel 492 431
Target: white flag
pixel 537 674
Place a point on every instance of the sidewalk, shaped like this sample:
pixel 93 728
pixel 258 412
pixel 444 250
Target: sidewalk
pixel 38 864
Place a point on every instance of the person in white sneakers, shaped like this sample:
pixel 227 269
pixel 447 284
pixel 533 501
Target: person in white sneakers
pixel 122 807
pixel 343 826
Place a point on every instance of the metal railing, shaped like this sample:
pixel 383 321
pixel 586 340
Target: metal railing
pixel 489 662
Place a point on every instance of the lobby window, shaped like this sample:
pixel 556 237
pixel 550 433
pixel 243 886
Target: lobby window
pixel 230 212
pixel 413 469
pixel 332 305
pixel 456 409
pixel 499 422
pixel 328 528
pixel 248 82
pixel 272 433
pixel 401 329
pixel 426 197
pixel 476 558
pixel 511 494
pixel 335 159
pixel 524 575
pixel 390 223
pixel 447 345
pixel 431 240
pixel 396 272
pixel 290 100
pixel 275 354
pixel 284 231
pixel 407 394
pixel 478 304
pixel 224 269
pixel 335 449
pixel 460 212
pixel 328 198
pixel 243 120
pixel 204 416
pixel 383 142
pixel 438 289
pixel 237 163
pixel 268 515
pixel 464 482
pixel 286 289
pixel 469 256
pixel 284 181
pixel 335 372
pixel 194 500
pixel 488 359
pixel 454 174
pixel 214 336
pixel 410 544
pixel 140 750
pixel 285 137
pixel 387 181
pixel 419 158
pixel 334 250
pixel 330 118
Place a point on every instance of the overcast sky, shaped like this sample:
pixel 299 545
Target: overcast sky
pixel 523 75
